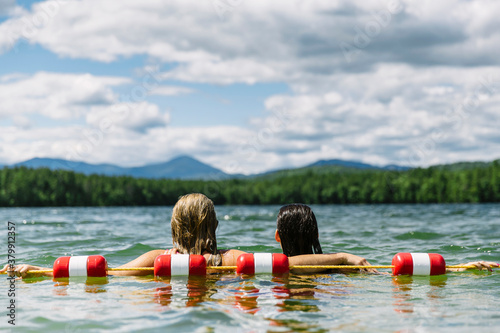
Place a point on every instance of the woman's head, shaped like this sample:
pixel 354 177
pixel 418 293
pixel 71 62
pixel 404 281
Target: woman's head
pixel 297 230
pixel 194 224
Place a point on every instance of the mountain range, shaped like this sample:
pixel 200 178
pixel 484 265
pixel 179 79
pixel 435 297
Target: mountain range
pixel 182 167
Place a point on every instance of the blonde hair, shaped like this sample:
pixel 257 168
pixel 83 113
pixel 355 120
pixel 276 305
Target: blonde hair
pixel 193 226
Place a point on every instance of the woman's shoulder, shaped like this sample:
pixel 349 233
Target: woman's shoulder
pixel 230 256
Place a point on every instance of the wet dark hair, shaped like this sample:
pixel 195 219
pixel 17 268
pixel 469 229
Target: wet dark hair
pixel 298 230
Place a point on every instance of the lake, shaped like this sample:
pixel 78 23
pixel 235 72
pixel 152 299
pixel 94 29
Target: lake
pixel 455 302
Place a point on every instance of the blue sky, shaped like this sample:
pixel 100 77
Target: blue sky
pixel 249 86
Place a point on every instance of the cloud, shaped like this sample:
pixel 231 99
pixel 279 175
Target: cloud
pixel 382 117
pixel 55 95
pixel 138 117
pixel 223 72
pixel 6 6
pixel 170 90
pixel 262 41
pixel 67 97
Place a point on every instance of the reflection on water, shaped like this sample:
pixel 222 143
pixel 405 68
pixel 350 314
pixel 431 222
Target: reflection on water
pixel 295 326
pixel 92 284
pixel 194 290
pixel 408 288
pixel 296 293
pixel 290 293
pixel 163 295
pixel 245 297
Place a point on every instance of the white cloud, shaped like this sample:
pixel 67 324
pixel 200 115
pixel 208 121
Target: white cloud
pixel 385 118
pixel 224 72
pixel 263 40
pixel 170 91
pixel 138 117
pixel 55 95
pixel 7 6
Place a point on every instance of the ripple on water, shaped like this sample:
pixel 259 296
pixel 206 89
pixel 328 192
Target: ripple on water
pixel 419 235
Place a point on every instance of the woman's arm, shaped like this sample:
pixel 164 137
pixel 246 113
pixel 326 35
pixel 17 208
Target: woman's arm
pixel 477 265
pixel 20 270
pixel 327 259
pixel 145 260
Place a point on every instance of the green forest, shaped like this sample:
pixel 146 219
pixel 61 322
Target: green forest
pixel 470 183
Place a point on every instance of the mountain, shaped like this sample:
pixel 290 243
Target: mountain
pixel 349 164
pixel 328 166
pixel 182 167
pixel 186 167
pixel 78 167
pixel 357 165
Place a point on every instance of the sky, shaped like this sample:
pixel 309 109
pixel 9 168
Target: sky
pixel 250 86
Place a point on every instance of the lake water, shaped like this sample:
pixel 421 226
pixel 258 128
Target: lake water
pixel 456 302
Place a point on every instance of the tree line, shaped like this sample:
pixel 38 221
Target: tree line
pixel 26 187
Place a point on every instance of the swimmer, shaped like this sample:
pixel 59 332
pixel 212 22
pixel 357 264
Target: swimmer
pixel 297 232
pixel 193 226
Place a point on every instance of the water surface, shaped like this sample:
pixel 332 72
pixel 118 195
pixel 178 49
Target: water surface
pixel 456 302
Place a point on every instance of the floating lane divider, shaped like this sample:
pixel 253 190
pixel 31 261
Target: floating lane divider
pixel 94 266
pixel 166 265
pixel 418 264
pixel 255 263
pixel 180 264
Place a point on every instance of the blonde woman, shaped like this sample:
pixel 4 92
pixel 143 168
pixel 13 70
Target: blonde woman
pixel 193 232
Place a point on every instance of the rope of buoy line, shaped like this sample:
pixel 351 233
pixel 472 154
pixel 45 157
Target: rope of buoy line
pixel 365 267
pixel 248 263
pixel 232 268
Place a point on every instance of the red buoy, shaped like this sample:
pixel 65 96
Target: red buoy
pixel 273 263
pixel 89 266
pixel 418 264
pixel 180 264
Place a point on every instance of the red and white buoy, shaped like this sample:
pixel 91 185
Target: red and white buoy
pixel 255 263
pixel 90 266
pixel 418 264
pixel 180 264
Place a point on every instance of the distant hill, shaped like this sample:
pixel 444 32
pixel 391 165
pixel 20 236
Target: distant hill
pixel 349 164
pixel 182 167
pixel 330 166
pixel 78 167
pixel 459 166
pixel 356 165
pixel 186 167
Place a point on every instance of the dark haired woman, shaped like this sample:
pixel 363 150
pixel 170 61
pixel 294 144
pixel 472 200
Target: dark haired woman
pixel 297 232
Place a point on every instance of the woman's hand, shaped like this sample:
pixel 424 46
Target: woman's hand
pixel 351 259
pixel 20 270
pixel 477 265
